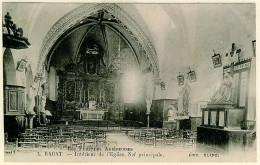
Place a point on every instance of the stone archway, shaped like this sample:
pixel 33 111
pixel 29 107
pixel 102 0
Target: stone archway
pixel 86 10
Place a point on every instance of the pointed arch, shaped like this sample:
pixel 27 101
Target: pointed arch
pixel 86 10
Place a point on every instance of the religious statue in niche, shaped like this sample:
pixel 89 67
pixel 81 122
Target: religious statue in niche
pixel 224 93
pixel 92 90
pixel 172 112
pixel 91 66
pixel 31 100
pixel 93 59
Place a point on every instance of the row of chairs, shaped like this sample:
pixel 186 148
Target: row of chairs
pixel 68 138
pixel 164 137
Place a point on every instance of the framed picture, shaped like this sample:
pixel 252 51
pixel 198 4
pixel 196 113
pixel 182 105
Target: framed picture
pixel 162 85
pixel 21 65
pixel 192 76
pixel 216 59
pixel 180 79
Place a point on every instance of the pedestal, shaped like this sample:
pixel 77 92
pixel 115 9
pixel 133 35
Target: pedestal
pixel 30 121
pixel 170 125
pixel 226 140
pixel 223 116
pixel 182 122
pixel 221 127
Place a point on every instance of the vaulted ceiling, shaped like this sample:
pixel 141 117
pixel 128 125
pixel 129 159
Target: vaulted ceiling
pixel 183 35
pixel 104 32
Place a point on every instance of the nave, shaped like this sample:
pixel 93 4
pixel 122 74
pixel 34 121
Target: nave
pixel 164 82
pixel 60 142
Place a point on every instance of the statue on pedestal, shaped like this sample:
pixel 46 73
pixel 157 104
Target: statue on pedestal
pixel 172 113
pixel 148 105
pixel 224 93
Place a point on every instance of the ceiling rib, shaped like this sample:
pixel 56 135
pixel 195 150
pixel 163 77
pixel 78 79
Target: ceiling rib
pixel 106 43
pixel 81 42
pixel 48 59
pixel 126 40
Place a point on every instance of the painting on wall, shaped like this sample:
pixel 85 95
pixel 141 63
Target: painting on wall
pixel 216 59
pixel 21 65
pixel 162 85
pixel 192 76
pixel 180 79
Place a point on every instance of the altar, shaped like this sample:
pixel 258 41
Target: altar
pixel 95 115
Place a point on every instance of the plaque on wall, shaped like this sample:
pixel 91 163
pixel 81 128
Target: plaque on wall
pixel 14 100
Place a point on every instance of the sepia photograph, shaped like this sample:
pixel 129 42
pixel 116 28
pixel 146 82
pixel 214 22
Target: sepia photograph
pixel 128 82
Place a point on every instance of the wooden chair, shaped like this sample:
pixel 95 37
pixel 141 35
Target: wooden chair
pixel 89 143
pixel 142 135
pixel 131 134
pixel 137 135
pixel 100 138
pixel 170 138
pixel 9 148
pixel 159 138
pixel 64 142
pixel 149 138
pixel 76 144
pixel 26 146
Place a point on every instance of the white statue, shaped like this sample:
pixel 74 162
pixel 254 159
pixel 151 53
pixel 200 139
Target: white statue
pixel 148 105
pixel 224 93
pixel 92 105
pixel 31 105
pixel 172 113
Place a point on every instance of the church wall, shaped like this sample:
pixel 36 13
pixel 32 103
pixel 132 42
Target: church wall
pixel 179 43
pixel 36 19
pixel 174 57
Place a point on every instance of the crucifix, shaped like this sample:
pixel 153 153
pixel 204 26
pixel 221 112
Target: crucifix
pixel 235 51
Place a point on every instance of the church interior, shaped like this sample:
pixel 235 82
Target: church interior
pixel 81 76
